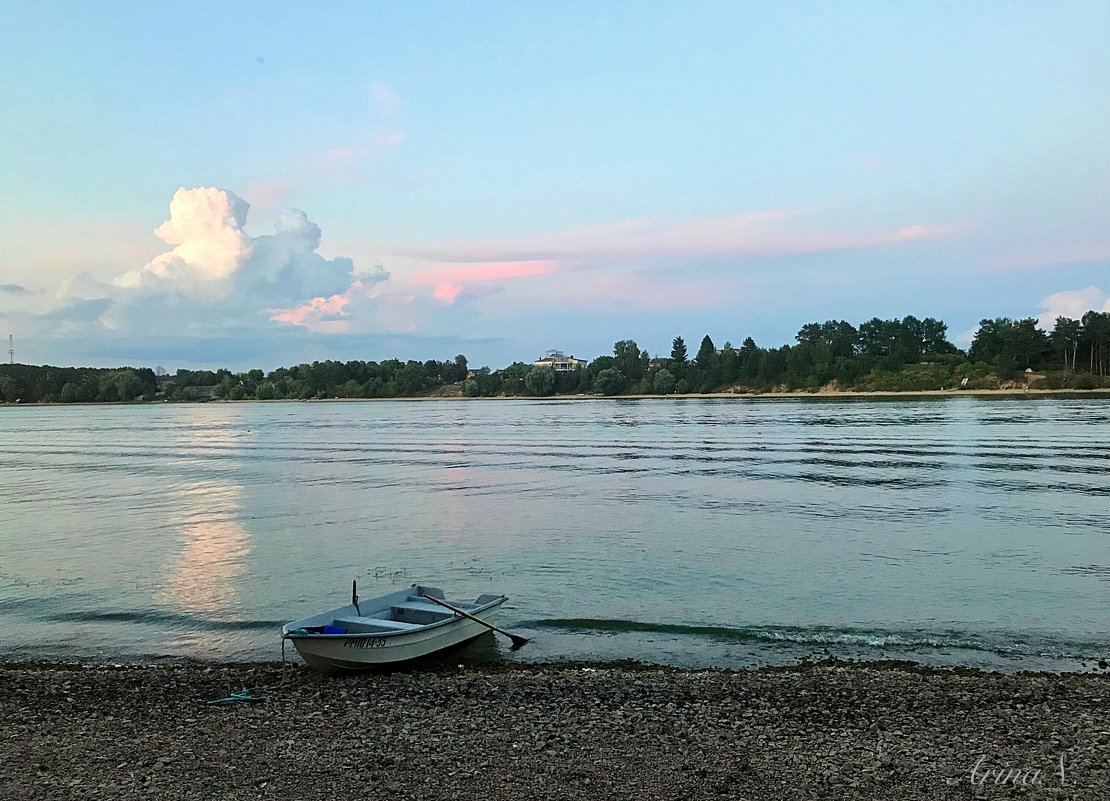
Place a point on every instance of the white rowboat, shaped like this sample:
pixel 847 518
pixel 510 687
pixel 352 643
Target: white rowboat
pixel 398 627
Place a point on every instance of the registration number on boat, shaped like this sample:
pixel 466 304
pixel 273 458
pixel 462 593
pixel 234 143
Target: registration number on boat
pixel 364 642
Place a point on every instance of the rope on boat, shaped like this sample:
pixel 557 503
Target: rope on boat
pixel 254 695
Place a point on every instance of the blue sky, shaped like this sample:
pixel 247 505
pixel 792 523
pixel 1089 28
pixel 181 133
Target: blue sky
pixel 499 179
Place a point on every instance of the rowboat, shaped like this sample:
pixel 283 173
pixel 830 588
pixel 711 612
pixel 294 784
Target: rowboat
pixel 398 627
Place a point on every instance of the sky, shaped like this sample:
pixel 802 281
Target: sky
pixel 232 184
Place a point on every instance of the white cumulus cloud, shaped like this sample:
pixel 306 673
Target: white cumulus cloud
pixel 214 258
pixel 1073 304
pixel 209 245
pixel 216 276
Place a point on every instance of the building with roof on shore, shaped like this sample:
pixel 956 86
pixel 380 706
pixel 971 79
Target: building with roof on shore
pixel 560 362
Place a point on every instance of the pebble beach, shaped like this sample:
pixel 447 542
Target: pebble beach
pixel 560 731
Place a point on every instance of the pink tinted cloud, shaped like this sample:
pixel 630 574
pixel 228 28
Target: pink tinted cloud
pixel 466 270
pixel 616 264
pixel 316 308
pixel 447 293
pixel 740 236
pixel 341 312
pixel 489 271
pixel 470 281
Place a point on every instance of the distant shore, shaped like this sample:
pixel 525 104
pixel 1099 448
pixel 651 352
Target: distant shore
pixel 739 396
pixel 561 731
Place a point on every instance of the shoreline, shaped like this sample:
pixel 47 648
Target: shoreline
pixel 558 731
pixel 734 396
pixel 451 662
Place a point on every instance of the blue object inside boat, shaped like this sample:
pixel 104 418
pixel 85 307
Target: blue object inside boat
pixel 325 629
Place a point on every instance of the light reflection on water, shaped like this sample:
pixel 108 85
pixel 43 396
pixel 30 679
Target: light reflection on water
pixel 695 532
pixel 202 576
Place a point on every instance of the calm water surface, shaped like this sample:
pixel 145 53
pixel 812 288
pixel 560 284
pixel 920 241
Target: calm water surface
pixel 691 532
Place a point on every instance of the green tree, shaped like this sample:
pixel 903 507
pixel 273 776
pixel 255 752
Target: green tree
pixel 410 379
pixel 109 391
pixel 609 382
pixel 567 382
pixel 223 389
pixel 707 354
pixel 728 362
pixel 748 358
pixel 490 385
pixel 1065 338
pixel 457 370
pixel 1010 344
pixel 825 349
pixel 705 377
pixel 596 367
pixel 1096 334
pixel 932 337
pixel 512 378
pixel 772 367
pixel 889 343
pixel 540 382
pixel 128 384
pixel 665 382
pixel 629 359
pixel 678 351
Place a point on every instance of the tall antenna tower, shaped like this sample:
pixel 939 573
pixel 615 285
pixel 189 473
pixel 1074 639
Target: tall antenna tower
pixel 11 350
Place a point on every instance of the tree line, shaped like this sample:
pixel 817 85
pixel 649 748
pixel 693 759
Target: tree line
pixel 909 354
pixel 34 384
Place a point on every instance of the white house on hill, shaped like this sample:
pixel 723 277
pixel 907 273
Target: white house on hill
pixel 559 362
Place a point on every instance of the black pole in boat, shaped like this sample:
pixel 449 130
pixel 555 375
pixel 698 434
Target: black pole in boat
pixel 354 596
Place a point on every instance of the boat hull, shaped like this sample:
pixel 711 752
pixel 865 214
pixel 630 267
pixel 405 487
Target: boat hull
pixel 343 653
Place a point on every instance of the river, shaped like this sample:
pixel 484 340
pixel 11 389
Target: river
pixel 696 532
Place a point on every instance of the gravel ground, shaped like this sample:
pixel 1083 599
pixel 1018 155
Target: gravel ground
pixel 832 731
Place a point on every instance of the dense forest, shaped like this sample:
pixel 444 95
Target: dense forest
pixel 878 355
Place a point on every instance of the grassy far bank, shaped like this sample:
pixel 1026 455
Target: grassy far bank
pixel 831 358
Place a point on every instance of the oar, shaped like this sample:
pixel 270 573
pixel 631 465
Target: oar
pixel 354 597
pixel 517 640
